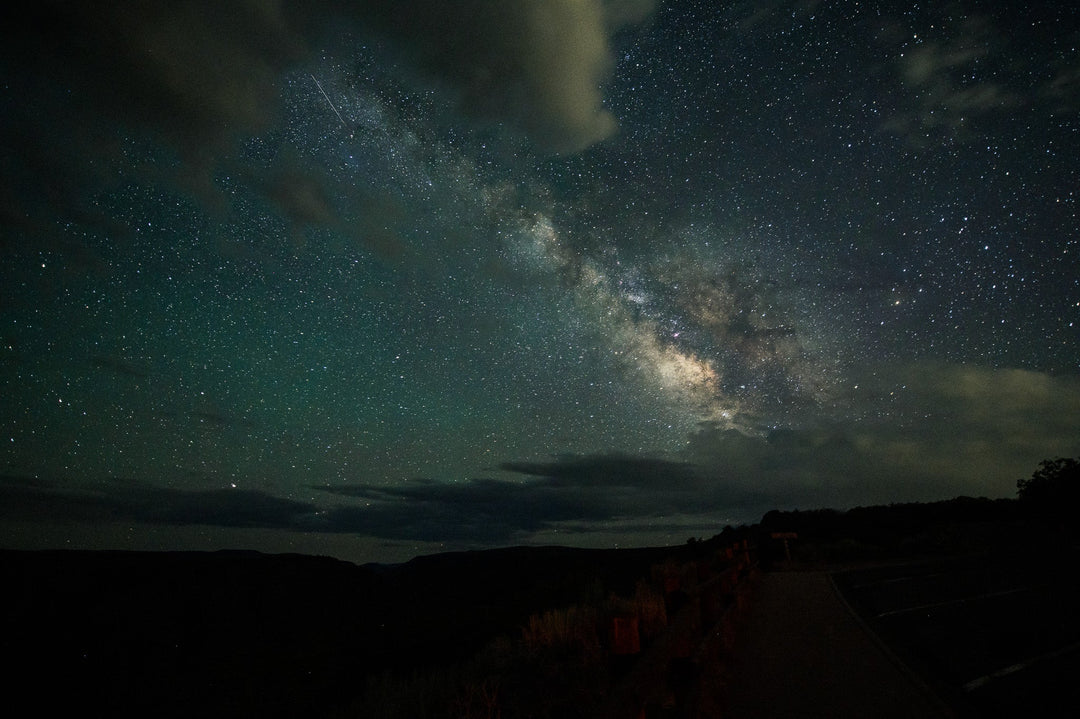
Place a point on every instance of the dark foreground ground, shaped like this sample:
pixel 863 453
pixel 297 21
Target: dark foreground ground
pixel 996 634
pixel 988 635
pixel 960 608
pixel 801 653
pixel 246 634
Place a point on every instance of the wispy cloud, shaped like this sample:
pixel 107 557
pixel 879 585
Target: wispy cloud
pixel 916 432
pixel 537 65
pixel 27 498
pixel 948 85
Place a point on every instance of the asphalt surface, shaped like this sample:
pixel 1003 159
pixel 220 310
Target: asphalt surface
pixel 802 653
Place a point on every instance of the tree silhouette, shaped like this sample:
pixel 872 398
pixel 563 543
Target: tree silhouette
pixel 1054 488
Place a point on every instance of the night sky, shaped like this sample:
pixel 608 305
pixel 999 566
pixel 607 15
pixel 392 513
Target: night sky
pixel 378 279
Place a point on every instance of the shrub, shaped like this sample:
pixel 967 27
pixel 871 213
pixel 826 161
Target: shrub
pixel 569 628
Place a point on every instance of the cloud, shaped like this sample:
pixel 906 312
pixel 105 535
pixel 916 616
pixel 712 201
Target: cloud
pixel 917 432
pixel 537 65
pixel 25 498
pixel 944 97
pixel 90 86
pixel 194 71
pixel 566 491
pixel 749 17
pixel 100 95
pixel 609 471
pixel 993 418
pixel 1063 90
pixel 478 510
pixel 920 432
pixel 199 72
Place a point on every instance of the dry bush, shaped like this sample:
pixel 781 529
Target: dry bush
pixel 556 667
pixel 570 628
pixel 387 696
pixel 649 606
pixel 478 699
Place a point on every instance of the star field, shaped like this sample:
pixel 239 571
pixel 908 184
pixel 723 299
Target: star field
pixel 378 281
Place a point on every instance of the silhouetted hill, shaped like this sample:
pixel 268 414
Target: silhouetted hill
pixel 170 634
pixel 502 587
pixel 248 634
pixel 244 633
pixel 954 526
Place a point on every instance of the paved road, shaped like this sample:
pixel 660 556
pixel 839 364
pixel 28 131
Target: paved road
pixel 801 653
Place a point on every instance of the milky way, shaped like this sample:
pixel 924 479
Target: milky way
pixel 382 280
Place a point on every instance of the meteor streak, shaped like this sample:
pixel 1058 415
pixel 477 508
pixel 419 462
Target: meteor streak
pixel 319 85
